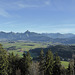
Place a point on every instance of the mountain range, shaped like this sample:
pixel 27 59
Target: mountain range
pixel 68 38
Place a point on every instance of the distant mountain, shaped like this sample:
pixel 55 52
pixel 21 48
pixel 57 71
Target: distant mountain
pixel 44 37
pixel 58 35
pixel 28 36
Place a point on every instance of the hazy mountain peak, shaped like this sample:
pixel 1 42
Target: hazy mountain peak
pixel 45 37
pixel 27 31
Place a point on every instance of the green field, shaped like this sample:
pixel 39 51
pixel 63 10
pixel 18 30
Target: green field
pixel 23 46
pixel 65 64
pixel 26 46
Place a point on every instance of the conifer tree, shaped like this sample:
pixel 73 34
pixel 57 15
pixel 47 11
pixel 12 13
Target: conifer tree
pixel 13 63
pixel 28 62
pixel 49 63
pixel 63 71
pixel 57 65
pixel 11 67
pixel 25 63
pixel 41 63
pixel 3 61
pixel 22 64
pixel 74 67
pixel 70 68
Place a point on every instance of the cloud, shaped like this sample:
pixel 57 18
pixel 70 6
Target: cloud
pixel 64 5
pixel 4 13
pixel 65 30
pixel 47 3
pixel 62 30
pixel 53 5
pixel 21 5
pixel 6 6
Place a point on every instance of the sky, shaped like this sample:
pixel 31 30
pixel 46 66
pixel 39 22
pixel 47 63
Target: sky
pixel 41 16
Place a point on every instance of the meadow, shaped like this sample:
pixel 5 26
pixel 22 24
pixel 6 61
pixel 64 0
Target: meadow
pixel 20 47
pixel 65 64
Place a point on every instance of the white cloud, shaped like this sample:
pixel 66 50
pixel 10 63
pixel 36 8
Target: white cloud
pixel 6 6
pixel 65 30
pixel 4 13
pixel 53 5
pixel 21 5
pixel 47 2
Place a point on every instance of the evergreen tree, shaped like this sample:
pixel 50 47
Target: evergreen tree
pixel 13 64
pixel 57 65
pixel 34 68
pixel 25 63
pixel 74 67
pixel 49 63
pixel 28 62
pixel 41 63
pixel 3 61
pixel 63 70
pixel 22 64
pixel 70 68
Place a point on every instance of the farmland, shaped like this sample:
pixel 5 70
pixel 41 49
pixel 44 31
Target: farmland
pixel 20 47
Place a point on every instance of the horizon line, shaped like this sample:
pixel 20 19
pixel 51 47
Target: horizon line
pixel 36 32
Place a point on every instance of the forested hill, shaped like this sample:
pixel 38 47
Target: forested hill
pixel 47 64
pixel 43 37
pixel 64 51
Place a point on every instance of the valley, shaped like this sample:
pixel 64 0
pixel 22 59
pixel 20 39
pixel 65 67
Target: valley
pixel 18 44
pixel 19 47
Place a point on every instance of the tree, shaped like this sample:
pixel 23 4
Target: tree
pixel 41 63
pixel 70 68
pixel 74 66
pixel 63 70
pixel 13 63
pixel 57 65
pixel 25 63
pixel 34 68
pixel 49 63
pixel 3 61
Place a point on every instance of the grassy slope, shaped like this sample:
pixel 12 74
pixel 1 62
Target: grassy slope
pixel 65 64
pixel 24 46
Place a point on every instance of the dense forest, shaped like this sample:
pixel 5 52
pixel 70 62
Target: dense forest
pixel 64 51
pixel 47 64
